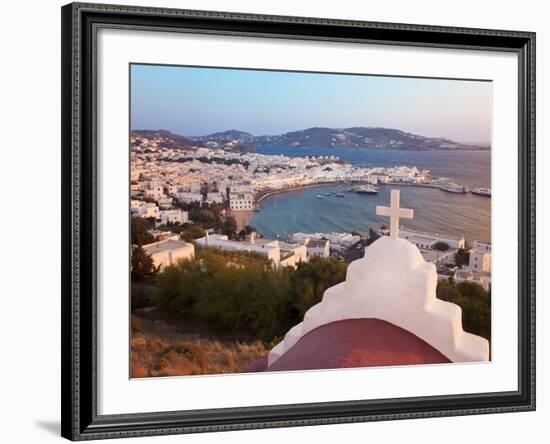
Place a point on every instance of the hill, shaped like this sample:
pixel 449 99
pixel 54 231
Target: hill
pixel 362 137
pixel 353 137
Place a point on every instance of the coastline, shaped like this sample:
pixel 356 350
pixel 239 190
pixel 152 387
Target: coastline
pixel 265 194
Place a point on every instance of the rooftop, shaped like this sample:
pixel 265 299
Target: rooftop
pixel 166 245
pixel 354 343
pixel 317 243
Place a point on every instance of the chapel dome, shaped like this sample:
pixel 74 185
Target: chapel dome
pixel 354 343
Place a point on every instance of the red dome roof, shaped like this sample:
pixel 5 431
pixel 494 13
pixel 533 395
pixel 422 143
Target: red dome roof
pixel 354 343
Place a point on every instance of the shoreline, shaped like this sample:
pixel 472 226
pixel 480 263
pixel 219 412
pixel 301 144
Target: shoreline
pixel 265 194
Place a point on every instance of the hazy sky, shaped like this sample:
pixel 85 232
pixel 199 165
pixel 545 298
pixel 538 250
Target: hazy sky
pixel 199 101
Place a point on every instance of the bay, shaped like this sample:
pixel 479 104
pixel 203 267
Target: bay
pixel 435 211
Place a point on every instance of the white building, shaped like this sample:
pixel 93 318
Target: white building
pixel 214 197
pixel 169 252
pixel 241 201
pixel 241 186
pixel 482 246
pixel 146 210
pixel 427 241
pixel 270 249
pixel 165 202
pixel 155 193
pixel 136 203
pixel 280 253
pixel 338 241
pixel 480 257
pixel 403 174
pixel 481 278
pixel 152 189
pixel 379 177
pixel 188 197
pixel 292 254
pixel 318 248
pixel 173 216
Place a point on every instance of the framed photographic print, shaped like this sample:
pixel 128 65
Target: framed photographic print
pixel 279 221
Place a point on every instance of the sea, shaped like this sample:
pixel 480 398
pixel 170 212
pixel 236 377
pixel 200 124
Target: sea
pixel 435 211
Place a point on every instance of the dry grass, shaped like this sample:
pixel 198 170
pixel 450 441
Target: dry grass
pixel 155 356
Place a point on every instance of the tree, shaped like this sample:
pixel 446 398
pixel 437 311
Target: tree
pixel 191 232
pixel 441 246
pixel 249 229
pixel 474 302
pixel 472 291
pixel 139 231
pixel 142 267
pixel 243 293
pixel 309 282
pixel 246 231
pixel 229 227
pixel 373 235
pixel 476 317
pixel 462 257
pixel 447 291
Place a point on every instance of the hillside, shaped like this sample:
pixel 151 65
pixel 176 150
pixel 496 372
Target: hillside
pixel 353 137
pixel 361 137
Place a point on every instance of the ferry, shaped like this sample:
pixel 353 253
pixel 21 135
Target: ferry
pixel 452 187
pixel 366 189
pixel 482 191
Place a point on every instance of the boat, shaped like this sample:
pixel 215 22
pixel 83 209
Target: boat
pixel 320 196
pixel 340 194
pixel 452 187
pixel 482 191
pixel 366 189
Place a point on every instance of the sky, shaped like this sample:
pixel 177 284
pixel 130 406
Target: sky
pixel 195 101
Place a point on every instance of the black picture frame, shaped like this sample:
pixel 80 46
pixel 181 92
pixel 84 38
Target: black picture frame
pixel 80 22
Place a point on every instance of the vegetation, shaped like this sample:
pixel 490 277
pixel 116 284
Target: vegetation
pixel 139 231
pixel 246 231
pixel 462 257
pixel 152 355
pixel 244 293
pixel 192 232
pixel 441 246
pixel 142 266
pixel 475 303
pixel 205 214
pixel 373 235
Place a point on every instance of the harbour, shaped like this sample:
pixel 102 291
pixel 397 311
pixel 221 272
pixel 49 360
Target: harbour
pixel 317 209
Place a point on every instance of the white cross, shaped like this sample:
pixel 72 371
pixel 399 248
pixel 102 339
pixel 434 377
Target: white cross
pixel 394 213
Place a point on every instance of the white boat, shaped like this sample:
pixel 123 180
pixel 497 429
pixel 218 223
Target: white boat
pixel 319 196
pixel 452 187
pixel 482 191
pixel 366 189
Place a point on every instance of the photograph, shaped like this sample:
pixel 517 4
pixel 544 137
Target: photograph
pixel 295 221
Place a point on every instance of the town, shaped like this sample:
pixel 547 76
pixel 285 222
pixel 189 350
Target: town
pixel 170 183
